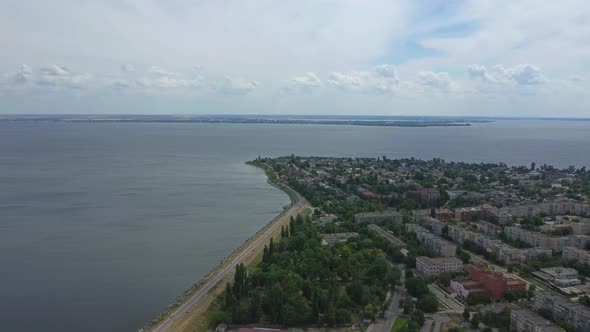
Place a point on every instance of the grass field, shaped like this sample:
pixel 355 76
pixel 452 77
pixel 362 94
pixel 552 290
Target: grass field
pixel 400 322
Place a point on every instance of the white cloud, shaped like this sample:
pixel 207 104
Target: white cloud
pixel 523 74
pixel 56 76
pixel 381 79
pixel 526 74
pixel 127 68
pixel 23 75
pixel 303 84
pixel 162 82
pixel 236 86
pixel 439 81
pixel 159 71
pixel 55 70
pixel 576 78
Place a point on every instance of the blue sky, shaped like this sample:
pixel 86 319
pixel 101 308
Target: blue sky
pixel 427 57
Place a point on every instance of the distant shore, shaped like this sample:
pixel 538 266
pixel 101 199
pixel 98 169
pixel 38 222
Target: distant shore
pixel 338 121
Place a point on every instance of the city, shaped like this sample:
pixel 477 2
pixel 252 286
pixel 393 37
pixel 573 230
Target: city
pixel 480 246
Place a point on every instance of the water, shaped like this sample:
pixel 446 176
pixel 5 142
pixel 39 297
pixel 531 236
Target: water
pixel 101 225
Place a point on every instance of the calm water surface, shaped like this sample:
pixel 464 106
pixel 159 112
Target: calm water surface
pixel 101 225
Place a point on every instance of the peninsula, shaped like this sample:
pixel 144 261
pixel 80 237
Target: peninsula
pixel 403 245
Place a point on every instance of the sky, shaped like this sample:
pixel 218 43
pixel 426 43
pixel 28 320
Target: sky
pixel 337 57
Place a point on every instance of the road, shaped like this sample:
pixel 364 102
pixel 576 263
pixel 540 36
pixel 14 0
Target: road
pixel 177 314
pixel 385 325
pixel 449 301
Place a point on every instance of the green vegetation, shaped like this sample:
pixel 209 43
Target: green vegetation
pixel 499 320
pixel 478 299
pixel 400 324
pixel 300 282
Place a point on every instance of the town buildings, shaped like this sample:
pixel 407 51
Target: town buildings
pixel 434 266
pixel 425 194
pixel 560 276
pixel 537 239
pixel 438 245
pixel 394 240
pixel 525 320
pixel 374 217
pixel 577 254
pixel 563 309
pixel 503 252
pixel 464 288
pixel 327 218
pixel 481 278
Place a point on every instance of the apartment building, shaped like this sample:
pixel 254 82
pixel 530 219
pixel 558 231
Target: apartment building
pixel 435 266
pixel 436 226
pixel 487 228
pixel 537 239
pixel 525 320
pixel 437 244
pixel 373 217
pixel 563 309
pixel 577 254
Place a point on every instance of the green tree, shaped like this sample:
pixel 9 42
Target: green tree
pixel 466 314
pixel 418 317
pixel 427 303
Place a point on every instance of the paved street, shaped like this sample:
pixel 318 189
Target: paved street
pixel 445 298
pixel 385 325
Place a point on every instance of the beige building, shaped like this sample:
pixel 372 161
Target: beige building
pixel 435 266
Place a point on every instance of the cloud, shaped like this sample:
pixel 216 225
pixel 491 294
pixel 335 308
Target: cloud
pixel 439 81
pixel 55 70
pixel 381 79
pixel 159 71
pixel 478 72
pixel 162 82
pixel 526 75
pixel 120 85
pixel 303 84
pixel 56 76
pixel 522 74
pixel 23 74
pixel 576 78
pixel 127 68
pixel 236 86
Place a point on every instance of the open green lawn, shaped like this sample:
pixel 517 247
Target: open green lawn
pixel 400 322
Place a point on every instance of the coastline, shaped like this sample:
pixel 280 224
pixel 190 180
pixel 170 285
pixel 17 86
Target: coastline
pixel 192 304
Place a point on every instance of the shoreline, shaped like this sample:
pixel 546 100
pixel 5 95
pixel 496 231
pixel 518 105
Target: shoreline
pixel 176 313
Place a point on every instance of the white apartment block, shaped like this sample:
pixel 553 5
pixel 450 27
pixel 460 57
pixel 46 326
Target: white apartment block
pixel 435 266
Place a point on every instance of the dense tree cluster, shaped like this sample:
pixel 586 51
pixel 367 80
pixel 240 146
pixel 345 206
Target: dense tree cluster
pixel 302 282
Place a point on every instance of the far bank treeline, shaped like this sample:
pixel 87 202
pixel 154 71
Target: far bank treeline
pixel 302 282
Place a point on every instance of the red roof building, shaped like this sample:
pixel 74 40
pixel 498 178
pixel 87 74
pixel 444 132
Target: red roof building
pixel 495 282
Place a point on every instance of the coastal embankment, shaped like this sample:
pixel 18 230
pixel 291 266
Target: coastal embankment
pixel 188 311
